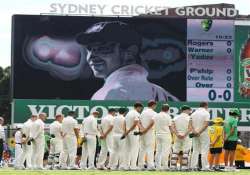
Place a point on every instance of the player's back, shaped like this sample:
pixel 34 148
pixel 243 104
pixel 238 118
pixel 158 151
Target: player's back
pixel 132 116
pixel 162 123
pixel 68 125
pixel 118 124
pixel 181 122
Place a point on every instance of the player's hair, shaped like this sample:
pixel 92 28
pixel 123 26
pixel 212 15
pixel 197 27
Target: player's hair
pixel 151 103
pixel 58 115
pixel 71 113
pixel 233 114
pixel 43 113
pixel 203 104
pixel 122 110
pixel 95 113
pixel 110 110
pixel 32 116
pixel 138 104
pixel 165 107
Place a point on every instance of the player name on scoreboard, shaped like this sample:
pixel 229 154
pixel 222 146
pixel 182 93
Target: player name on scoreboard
pixel 210 60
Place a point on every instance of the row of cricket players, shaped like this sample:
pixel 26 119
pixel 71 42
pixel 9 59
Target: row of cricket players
pixel 128 137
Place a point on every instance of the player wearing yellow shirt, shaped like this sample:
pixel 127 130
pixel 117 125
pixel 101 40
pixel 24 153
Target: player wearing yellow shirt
pixel 216 142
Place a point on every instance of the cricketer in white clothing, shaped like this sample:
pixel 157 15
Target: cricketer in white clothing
pixel 18 146
pixel 199 123
pixel 181 129
pixel 26 146
pixel 88 133
pixel 38 141
pixel 106 137
pixel 147 136
pixel 117 154
pixel 163 129
pixel 71 134
pixel 132 141
pixel 56 142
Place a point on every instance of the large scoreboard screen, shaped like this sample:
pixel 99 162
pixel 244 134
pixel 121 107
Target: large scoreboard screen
pixel 210 60
pixel 127 59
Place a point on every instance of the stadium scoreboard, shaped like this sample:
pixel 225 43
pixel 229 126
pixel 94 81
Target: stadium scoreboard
pixel 210 60
pixel 192 59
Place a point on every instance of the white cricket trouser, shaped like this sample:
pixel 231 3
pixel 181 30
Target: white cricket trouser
pixel 18 153
pixel 200 145
pixel 38 146
pixel 56 145
pixel 88 152
pixel 117 154
pixel 163 149
pixel 131 150
pixel 26 155
pixel 106 146
pixel 69 150
pixel 146 148
pixel 183 145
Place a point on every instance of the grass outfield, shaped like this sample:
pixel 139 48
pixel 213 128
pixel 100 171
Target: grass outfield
pixel 10 171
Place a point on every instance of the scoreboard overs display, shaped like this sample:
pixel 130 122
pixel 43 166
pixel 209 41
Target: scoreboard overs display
pixel 110 58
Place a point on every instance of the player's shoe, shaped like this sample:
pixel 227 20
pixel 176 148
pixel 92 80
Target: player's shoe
pixel 74 168
pixel 102 167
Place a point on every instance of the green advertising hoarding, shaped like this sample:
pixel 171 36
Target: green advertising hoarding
pixel 242 61
pixel 24 108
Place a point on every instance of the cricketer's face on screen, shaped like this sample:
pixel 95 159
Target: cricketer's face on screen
pixel 106 57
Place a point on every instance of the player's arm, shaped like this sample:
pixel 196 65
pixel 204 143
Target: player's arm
pixel 190 128
pixel 204 127
pixel 205 124
pixel 35 131
pixel 61 132
pixel 135 123
pixel 76 129
pixel 174 129
pixel 95 128
pixel 171 129
pixel 124 126
pixel 232 131
pixel 151 124
pixel 108 130
pixel 190 125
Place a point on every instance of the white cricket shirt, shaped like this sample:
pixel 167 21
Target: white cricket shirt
pixel 181 122
pixel 56 129
pixel 68 125
pixel 132 116
pixel 89 126
pixel 119 124
pixel 162 123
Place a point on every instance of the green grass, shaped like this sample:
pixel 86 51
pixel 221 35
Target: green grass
pixel 10 171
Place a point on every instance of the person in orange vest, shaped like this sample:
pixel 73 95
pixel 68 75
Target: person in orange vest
pixel 216 142
pixel 240 153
